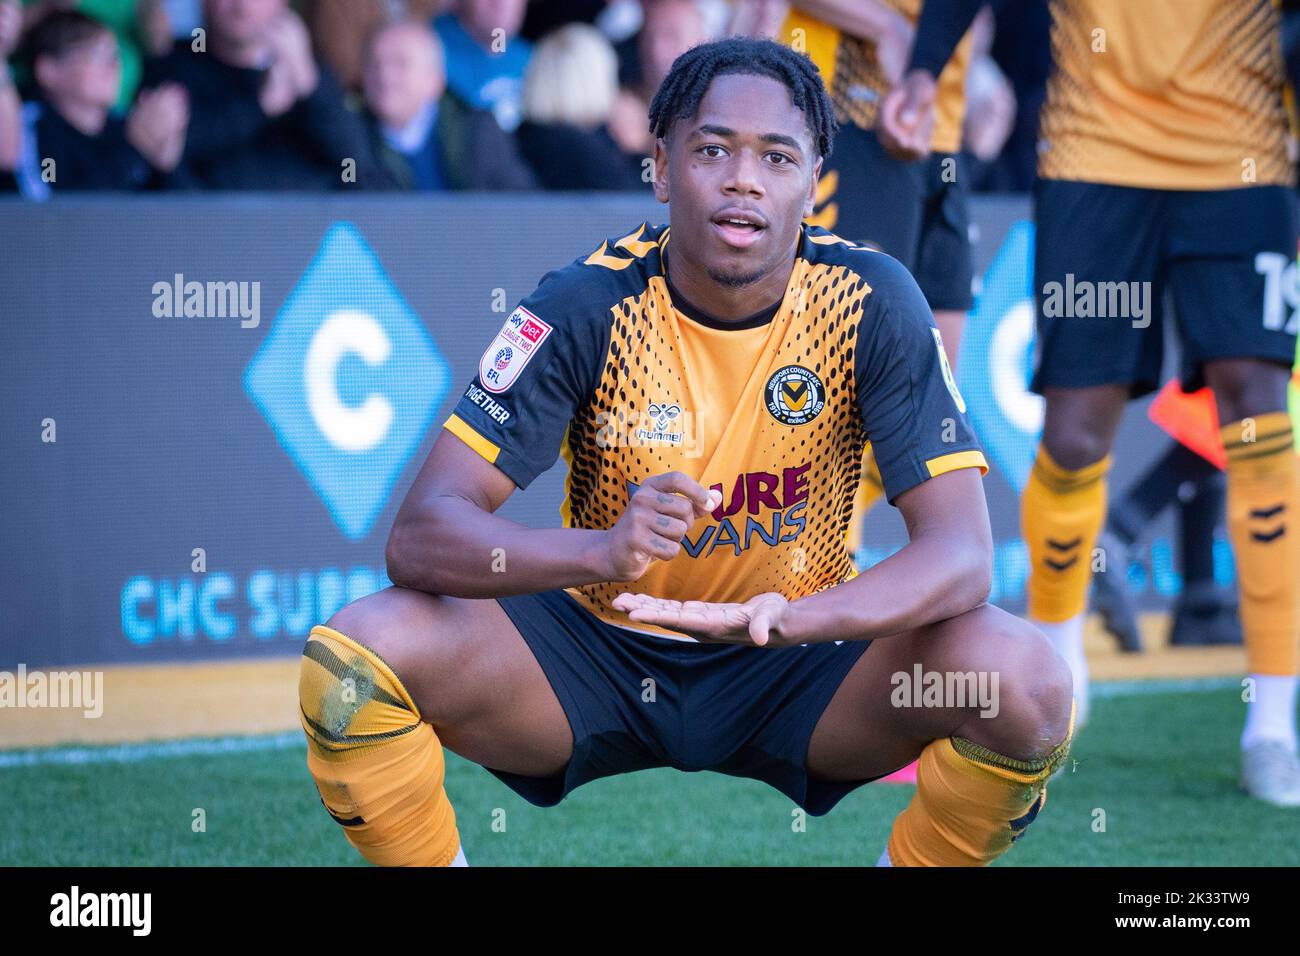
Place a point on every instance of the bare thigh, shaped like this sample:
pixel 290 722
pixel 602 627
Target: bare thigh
pixel 471 674
pixel 863 734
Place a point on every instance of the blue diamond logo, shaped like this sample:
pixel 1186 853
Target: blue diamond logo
pixel 348 379
pixel 996 359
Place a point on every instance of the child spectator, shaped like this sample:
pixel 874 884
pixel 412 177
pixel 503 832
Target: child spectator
pixel 70 138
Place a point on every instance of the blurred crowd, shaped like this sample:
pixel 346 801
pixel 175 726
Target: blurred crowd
pixel 315 95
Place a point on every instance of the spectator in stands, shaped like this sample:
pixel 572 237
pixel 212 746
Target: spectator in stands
pixel 128 21
pixel 569 90
pixel 670 28
pixel 340 29
pixel 266 115
pixel 427 138
pixel 70 139
pixel 486 57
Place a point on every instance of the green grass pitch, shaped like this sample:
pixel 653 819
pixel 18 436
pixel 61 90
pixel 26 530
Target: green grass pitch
pixel 1161 767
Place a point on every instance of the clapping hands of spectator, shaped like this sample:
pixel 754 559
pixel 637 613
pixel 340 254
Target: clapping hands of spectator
pixel 11 28
pixel 293 74
pixel 158 123
pixel 11 126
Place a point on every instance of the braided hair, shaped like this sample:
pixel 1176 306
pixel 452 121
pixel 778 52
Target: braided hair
pixel 688 80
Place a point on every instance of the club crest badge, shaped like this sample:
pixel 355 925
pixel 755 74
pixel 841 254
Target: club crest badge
pixel 794 395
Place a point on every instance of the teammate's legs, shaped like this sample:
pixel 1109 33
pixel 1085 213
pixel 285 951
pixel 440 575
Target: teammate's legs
pixel 1263 499
pixel 1234 256
pixel 1095 350
pixel 984 761
pixel 1062 510
pixel 393 678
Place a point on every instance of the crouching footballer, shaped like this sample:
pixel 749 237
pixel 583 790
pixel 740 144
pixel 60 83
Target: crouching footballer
pixel 711 384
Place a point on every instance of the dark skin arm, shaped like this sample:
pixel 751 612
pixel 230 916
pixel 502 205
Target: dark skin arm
pixel 945 570
pixel 446 539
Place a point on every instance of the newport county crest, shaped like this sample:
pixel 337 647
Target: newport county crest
pixel 794 395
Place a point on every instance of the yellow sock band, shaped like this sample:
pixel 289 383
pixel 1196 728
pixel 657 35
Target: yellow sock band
pixel 971 803
pixel 1263 498
pixel 1061 514
pixel 379 768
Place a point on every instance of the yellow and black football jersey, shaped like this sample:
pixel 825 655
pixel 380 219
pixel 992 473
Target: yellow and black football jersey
pixel 604 365
pixel 856 83
pixel 1166 94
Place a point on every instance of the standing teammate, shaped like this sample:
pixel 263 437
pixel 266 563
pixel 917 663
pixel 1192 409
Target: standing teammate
pixel 913 210
pixel 1164 162
pixel 711 385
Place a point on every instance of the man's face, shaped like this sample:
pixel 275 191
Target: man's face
pixel 740 175
pixel 89 72
pixel 403 74
pixel 671 28
pixel 242 21
pixel 481 17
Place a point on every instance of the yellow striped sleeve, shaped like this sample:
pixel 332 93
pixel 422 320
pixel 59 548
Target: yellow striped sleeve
pixel 958 459
pixel 461 429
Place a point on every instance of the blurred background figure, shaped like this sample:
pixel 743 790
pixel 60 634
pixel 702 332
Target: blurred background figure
pixel 340 29
pixel 266 115
pixel 128 20
pixel 569 92
pixel 11 24
pixel 70 138
pixel 486 57
pixel 426 136
pixel 669 28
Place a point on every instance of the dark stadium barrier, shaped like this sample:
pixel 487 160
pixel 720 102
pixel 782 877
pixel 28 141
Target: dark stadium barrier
pixel 211 408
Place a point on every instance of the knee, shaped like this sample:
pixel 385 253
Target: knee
pixel 1245 388
pixel 1075 447
pixel 1042 688
pixel 414 635
pixel 1033 690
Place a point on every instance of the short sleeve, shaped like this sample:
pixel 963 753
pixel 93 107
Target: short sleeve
pixel 531 380
pixel 914 416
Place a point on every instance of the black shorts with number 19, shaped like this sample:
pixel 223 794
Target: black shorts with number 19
pixel 1105 256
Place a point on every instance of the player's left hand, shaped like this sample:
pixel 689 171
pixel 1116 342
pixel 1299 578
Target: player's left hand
pixel 757 622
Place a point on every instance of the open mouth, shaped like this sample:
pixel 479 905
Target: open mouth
pixel 739 228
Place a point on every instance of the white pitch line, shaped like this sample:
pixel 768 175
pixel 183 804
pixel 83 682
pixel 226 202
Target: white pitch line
pixel 152 750
pixel 1138 688
pixel 207 747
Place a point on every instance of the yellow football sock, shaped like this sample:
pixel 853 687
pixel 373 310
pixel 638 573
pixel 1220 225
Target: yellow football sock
pixel 1263 497
pixel 378 766
pixel 970 803
pixel 1061 513
pixel 870 488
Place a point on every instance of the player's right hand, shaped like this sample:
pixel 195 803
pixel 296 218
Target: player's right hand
pixel 659 515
